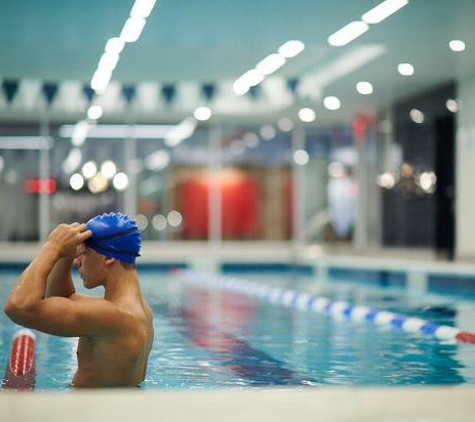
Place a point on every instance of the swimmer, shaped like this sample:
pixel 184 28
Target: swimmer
pixel 115 331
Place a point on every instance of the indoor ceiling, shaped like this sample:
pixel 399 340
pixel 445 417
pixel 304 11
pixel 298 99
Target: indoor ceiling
pixel 211 41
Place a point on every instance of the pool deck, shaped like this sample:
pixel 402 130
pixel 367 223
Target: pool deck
pixel 208 256
pixel 322 404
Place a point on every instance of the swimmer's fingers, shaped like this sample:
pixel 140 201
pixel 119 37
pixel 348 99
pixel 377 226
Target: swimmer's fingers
pixel 84 236
pixel 81 227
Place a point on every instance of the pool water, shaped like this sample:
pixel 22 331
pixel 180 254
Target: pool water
pixel 207 338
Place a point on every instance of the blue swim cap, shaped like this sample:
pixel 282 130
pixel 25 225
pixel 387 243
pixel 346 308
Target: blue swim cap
pixel 115 235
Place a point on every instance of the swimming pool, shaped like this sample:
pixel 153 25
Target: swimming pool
pixel 208 338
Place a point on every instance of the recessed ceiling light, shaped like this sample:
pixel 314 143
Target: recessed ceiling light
pixel 457 45
pixel 307 115
pixel 417 116
pixel 452 105
pixel 364 88
pixel 267 132
pixel 203 113
pixel 405 69
pixel 285 124
pixel 76 181
pixel 251 140
pixel 89 169
pixel 301 157
pixel 94 112
pixel 331 103
pixel 120 181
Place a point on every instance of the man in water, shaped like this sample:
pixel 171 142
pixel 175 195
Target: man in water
pixel 115 331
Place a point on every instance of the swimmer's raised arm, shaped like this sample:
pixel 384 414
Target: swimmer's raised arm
pixel 31 287
pixel 60 282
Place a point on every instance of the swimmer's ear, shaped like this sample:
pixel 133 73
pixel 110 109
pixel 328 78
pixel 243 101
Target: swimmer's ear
pixel 109 260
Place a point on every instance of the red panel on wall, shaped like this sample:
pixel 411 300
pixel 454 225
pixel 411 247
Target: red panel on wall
pixel 239 202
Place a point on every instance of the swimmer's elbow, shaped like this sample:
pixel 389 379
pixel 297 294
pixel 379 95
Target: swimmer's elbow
pixel 16 311
pixel 11 310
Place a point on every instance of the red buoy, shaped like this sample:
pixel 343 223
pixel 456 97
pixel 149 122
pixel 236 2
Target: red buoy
pixel 20 371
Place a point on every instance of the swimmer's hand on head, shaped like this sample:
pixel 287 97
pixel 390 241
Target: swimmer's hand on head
pixel 45 289
pixel 67 239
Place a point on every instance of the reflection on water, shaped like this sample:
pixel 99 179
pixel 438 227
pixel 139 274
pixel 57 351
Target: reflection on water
pixel 218 339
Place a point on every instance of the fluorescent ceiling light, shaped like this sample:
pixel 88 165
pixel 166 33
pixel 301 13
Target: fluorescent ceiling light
pixel 240 87
pixel 348 33
pixel 291 48
pixel 270 64
pixel 457 45
pixel 100 79
pixel 108 62
pixel 26 142
pixel 120 131
pixel 132 29
pixel 142 8
pixel 252 77
pixel 114 45
pixel 383 10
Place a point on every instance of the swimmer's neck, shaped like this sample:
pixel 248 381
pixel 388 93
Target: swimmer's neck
pixel 122 284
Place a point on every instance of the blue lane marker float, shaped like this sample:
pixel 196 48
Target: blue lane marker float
pixel 334 308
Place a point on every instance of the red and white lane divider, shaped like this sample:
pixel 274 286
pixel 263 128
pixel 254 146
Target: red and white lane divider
pixel 333 308
pixel 20 373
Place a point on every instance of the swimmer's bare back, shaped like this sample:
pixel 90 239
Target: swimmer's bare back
pixel 117 360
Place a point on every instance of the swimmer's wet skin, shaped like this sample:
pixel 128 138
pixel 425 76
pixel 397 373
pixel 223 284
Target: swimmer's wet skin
pixel 115 332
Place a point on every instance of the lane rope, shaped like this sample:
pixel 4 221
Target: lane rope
pixel 333 308
pixel 20 373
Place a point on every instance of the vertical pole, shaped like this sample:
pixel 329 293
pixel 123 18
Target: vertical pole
pixel 360 240
pixel 298 196
pixel 215 166
pixel 130 194
pixel 44 173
